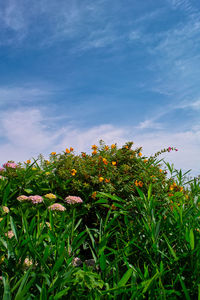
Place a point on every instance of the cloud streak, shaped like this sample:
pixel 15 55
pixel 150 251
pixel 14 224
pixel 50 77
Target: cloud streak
pixel 28 134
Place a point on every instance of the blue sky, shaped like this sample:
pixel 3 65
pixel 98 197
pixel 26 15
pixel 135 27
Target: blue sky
pixel 74 72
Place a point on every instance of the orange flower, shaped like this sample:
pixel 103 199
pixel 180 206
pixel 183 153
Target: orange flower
pixel 113 207
pixel 71 149
pixel 107 180
pixel 181 188
pixel 67 150
pixel 114 163
pixel 94 147
pixel 53 153
pixel 83 154
pixel 127 147
pixel 73 172
pixel 139 154
pixel 106 148
pixel 145 160
pixel 136 183
pixel 170 194
pixel 94 152
pixel 47 162
pixel 94 195
pixel 28 161
pixel 160 170
pixel 101 179
pixel 105 161
pixel 140 183
pixel 113 146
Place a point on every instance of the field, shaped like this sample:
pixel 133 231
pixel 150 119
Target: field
pixel 112 224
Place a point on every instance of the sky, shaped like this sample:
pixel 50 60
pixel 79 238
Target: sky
pixel 77 71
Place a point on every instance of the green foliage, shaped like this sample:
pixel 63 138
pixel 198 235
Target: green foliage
pixel 134 236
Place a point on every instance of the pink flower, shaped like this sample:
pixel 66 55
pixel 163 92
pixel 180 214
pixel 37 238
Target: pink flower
pixel 9 234
pixel 35 199
pixel 176 149
pixel 169 149
pixel 10 165
pixel 57 206
pixel 73 200
pixel 22 198
pixel 5 209
pixel 2 169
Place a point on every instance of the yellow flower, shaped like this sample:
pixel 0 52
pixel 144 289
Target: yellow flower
pixel 71 149
pixel 47 162
pixel 113 146
pixel 34 169
pixel 53 153
pixel 94 147
pixel 47 173
pixel 139 154
pixel 107 180
pixel 106 148
pixel 67 150
pixel 101 179
pixel 114 163
pixel 73 172
pixel 50 196
pixel 28 161
pixel 94 152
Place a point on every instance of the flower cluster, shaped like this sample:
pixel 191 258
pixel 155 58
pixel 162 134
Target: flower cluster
pixel 35 199
pixel 22 198
pixel 73 200
pixel 50 196
pixel 11 165
pixel 9 234
pixel 57 206
pixel 5 209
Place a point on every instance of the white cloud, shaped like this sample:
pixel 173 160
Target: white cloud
pixel 149 124
pixel 16 94
pixel 27 135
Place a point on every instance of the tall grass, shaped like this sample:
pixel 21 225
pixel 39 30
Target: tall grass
pixel 136 235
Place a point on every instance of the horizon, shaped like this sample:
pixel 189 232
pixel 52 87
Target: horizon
pixel 76 73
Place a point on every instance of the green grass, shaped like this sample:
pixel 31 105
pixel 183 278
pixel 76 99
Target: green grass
pixel 136 235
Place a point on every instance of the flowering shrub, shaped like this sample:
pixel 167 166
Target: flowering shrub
pixel 125 230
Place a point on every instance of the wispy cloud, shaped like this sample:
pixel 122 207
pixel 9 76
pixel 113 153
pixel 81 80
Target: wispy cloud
pixel 20 93
pixel 27 134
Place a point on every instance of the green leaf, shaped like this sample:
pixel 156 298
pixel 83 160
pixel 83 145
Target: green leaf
pixel 170 248
pixel 13 227
pixel 125 277
pixel 61 293
pixel 102 261
pixel 191 239
pixel 28 191
pixel 149 191
pixel 187 296
pixel 112 197
pixel 58 264
pixel 7 293
pixel 22 288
